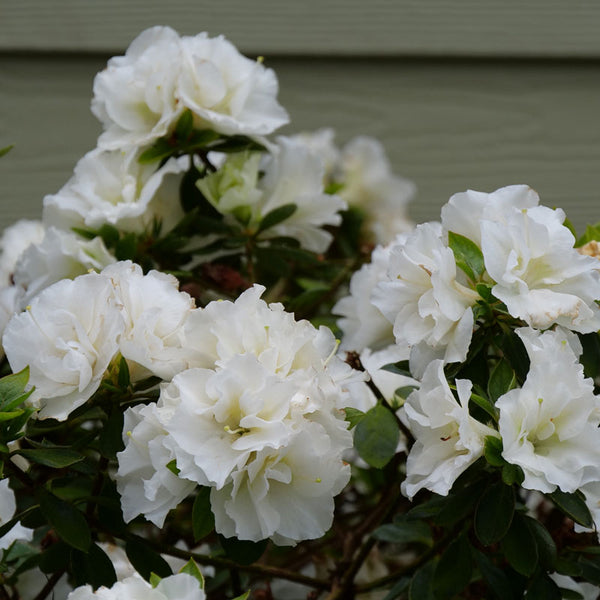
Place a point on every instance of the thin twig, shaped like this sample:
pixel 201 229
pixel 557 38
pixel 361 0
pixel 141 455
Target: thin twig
pixel 49 585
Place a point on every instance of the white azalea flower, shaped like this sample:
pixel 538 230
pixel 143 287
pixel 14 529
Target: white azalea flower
pixel 361 321
pixel 134 97
pixel 60 255
pixel 8 506
pixel 270 389
pixel 292 175
pixel 285 494
pixel 140 96
pixel 549 427
pixel 72 330
pixel 226 91
pixel 146 485
pixel 175 587
pixel 115 188
pixel 464 212
pixel 321 144
pixel 10 304
pixel 540 277
pixel 427 299
pixel 295 176
pixel 588 591
pixel 370 184
pixel 154 312
pixel 14 241
pixel 447 439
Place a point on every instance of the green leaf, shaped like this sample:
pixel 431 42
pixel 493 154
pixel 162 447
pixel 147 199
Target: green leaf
pixel 543 588
pixel 94 568
pixel 237 143
pixel 276 216
pixel 421 585
pixel 191 568
pixel 8 416
pixel 397 589
pixel 494 513
pixel 353 416
pixel 154 580
pixel 545 544
pixel 110 440
pixel 495 577
pixel 68 522
pixel 570 594
pixel 454 569
pixel 57 458
pixel 492 450
pixel 399 368
pixel 512 474
pixel 184 125
pixel 592 232
pixel 6 149
pixel 200 139
pixel 203 520
pixel 405 532
pixel 486 405
pixel 467 254
pixel 502 379
pixel 243 552
pixel 158 151
pixel 145 560
pixel 485 291
pixel 376 436
pixel 55 557
pixel 520 547
pixel 459 503
pixel 244 596
pixel 12 387
pixel 123 378
pixel 574 506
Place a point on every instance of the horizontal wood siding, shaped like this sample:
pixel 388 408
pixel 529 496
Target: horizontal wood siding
pixel 548 28
pixel 447 126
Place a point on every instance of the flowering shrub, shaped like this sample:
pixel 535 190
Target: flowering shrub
pixel 178 420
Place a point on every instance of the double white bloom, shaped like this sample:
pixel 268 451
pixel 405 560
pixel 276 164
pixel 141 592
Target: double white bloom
pixel 448 439
pixel 176 587
pixel 75 328
pixel 140 95
pixel 292 175
pixel 261 425
pixel 549 427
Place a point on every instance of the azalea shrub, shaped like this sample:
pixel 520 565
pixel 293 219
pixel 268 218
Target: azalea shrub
pixel 232 367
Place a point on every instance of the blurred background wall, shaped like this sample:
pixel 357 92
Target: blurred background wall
pixel 463 94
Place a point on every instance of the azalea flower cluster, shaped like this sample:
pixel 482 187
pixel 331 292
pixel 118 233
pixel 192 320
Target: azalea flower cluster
pixel 232 356
pixel 424 298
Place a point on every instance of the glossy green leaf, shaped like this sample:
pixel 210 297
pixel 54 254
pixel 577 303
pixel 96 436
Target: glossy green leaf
pixel 421 585
pixel 110 440
pixel 543 588
pixel 353 416
pixel 68 522
pixel 545 544
pixel 376 436
pixel 495 578
pixel 512 474
pixel 494 513
pixel 574 506
pixel 467 254
pixel 276 216
pixel 12 389
pixel 191 568
pixel 454 569
pixel 502 379
pixel 184 125
pixel 93 567
pixel 6 150
pixel 519 546
pixel 405 532
pixel 243 552
pixel 492 450
pixel 57 458
pixel 145 560
pixel 203 520
pixel 158 151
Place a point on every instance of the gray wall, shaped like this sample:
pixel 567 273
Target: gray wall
pixel 463 94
